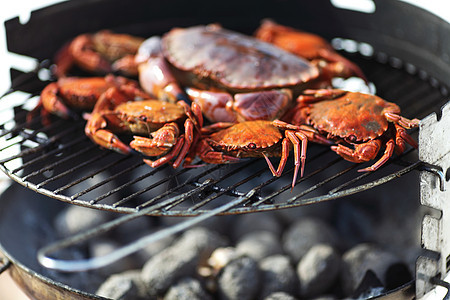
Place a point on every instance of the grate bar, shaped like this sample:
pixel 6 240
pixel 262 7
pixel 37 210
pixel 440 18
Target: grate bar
pixel 195 179
pixel 351 191
pixel 117 189
pixel 59 162
pixel 15 140
pixel 19 127
pixel 322 182
pixel 232 187
pixel 209 199
pixel 41 147
pixel 363 175
pixel 288 186
pixel 27 137
pixel 71 170
pixel 110 178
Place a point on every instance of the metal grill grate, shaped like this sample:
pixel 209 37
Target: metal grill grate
pixel 60 162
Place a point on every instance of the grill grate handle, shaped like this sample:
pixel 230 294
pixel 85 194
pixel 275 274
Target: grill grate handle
pixel 101 261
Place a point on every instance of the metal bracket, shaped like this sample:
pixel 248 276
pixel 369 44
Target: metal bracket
pixel 434 149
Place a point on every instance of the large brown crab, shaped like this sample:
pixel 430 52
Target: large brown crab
pixel 232 76
pixel 156 124
pixel 311 47
pixel 102 52
pixel 69 95
pixel 229 142
pixel 360 124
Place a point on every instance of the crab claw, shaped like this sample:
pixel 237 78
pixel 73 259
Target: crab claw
pixel 52 103
pixel 156 78
pixel 94 130
pixel 223 107
pixel 86 57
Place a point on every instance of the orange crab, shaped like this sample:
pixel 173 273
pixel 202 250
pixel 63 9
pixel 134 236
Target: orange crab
pixel 311 47
pixel 360 124
pixel 156 123
pixel 99 53
pixel 70 94
pixel 229 142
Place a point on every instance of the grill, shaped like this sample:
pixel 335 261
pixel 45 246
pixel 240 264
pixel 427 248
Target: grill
pixel 59 161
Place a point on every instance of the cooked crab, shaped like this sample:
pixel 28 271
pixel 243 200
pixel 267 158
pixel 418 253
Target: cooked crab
pixel 102 52
pixel 311 47
pixel 155 123
pixel 360 124
pixel 229 142
pixel 69 95
pixel 232 76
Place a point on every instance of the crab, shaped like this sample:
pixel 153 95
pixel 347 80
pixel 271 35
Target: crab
pixel 358 124
pixel 232 76
pixel 102 52
pixel 68 95
pixel 229 142
pixel 311 47
pixel 155 123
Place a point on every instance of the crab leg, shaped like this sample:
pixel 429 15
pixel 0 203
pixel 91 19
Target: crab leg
pixel 402 121
pixel 166 158
pixel 188 140
pixel 366 152
pixel 299 153
pixel 283 160
pixel 300 141
pixel 195 120
pixel 216 127
pixel 209 155
pixel 45 115
pixel 311 96
pixel 390 146
pixel 339 66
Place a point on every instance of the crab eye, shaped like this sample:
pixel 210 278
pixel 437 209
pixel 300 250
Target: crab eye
pixel 251 146
pixel 352 138
pixel 143 118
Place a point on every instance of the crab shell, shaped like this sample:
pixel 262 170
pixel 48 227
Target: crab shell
pixel 355 117
pixel 143 117
pixel 82 93
pixel 113 46
pixel 210 56
pixel 248 139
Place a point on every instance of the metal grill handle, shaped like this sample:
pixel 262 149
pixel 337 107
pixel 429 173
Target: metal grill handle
pixel 101 261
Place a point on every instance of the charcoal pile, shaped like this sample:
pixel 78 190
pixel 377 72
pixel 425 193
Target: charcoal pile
pixel 271 255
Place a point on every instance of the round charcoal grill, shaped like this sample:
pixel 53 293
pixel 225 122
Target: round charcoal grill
pixel 407 66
